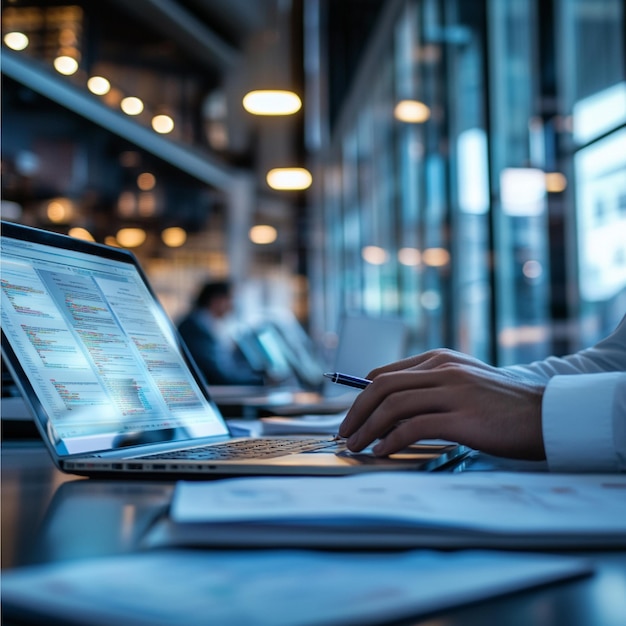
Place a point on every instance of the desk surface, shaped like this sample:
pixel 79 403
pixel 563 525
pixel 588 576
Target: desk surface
pixel 48 516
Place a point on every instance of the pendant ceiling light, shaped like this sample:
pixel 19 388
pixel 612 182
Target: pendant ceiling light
pixel 289 178
pixel 272 102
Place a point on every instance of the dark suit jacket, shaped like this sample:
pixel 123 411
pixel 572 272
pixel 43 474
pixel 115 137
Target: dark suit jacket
pixel 219 365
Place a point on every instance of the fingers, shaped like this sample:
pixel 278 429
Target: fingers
pixel 410 431
pixel 464 401
pixel 401 407
pixel 381 391
pixel 387 402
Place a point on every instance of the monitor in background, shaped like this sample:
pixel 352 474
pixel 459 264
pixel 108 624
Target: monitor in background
pixel 280 347
pixel 366 343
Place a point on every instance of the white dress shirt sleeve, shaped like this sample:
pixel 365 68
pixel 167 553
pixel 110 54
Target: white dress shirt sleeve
pixel 584 406
pixel 584 422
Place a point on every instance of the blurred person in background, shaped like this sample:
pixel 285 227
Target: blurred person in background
pixel 205 331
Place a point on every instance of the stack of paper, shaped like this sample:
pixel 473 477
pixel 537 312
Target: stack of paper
pixel 472 509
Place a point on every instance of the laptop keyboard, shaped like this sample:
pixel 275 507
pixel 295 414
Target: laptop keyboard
pixel 248 449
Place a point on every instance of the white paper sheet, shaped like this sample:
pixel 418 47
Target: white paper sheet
pixel 492 501
pixel 269 588
pixel 303 424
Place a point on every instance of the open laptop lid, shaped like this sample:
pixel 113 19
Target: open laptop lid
pixel 366 342
pixel 93 351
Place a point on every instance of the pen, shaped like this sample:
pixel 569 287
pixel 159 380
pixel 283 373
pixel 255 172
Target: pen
pixel 346 379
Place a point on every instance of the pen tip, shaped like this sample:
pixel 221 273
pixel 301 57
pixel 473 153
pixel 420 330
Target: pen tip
pixel 328 374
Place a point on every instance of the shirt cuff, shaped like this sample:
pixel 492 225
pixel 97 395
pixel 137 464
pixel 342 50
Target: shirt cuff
pixel 577 421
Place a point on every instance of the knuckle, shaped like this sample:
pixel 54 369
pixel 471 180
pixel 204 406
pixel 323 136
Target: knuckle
pixel 441 357
pixel 457 370
pixel 383 382
pixel 392 404
pixel 376 372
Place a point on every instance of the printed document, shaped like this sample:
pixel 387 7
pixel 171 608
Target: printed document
pixel 472 509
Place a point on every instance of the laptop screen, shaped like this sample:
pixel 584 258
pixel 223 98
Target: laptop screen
pixel 91 347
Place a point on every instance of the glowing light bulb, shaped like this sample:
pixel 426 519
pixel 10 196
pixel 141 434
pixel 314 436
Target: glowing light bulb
pixel 289 178
pixel 80 233
pixel 131 105
pixel 131 237
pixel 98 85
pixel 409 256
pixel 272 102
pixel 146 181
pixel 66 65
pixel 263 234
pixel 436 257
pixel 411 111
pixel 374 255
pixel 163 124
pixel 174 237
pixel 16 41
pixel 555 182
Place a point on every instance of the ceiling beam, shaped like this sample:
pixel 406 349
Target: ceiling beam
pixel 202 166
pixel 176 23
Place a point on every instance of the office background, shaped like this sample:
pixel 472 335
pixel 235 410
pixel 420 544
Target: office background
pixel 468 157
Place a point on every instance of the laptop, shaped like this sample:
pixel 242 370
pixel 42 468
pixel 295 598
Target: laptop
pixel 364 342
pixel 112 388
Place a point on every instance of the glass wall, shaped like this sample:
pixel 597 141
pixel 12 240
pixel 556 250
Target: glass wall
pixel 592 72
pixel 469 177
pixel 519 205
pixel 385 183
pixel 468 186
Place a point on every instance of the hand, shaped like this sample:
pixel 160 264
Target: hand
pixel 444 394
